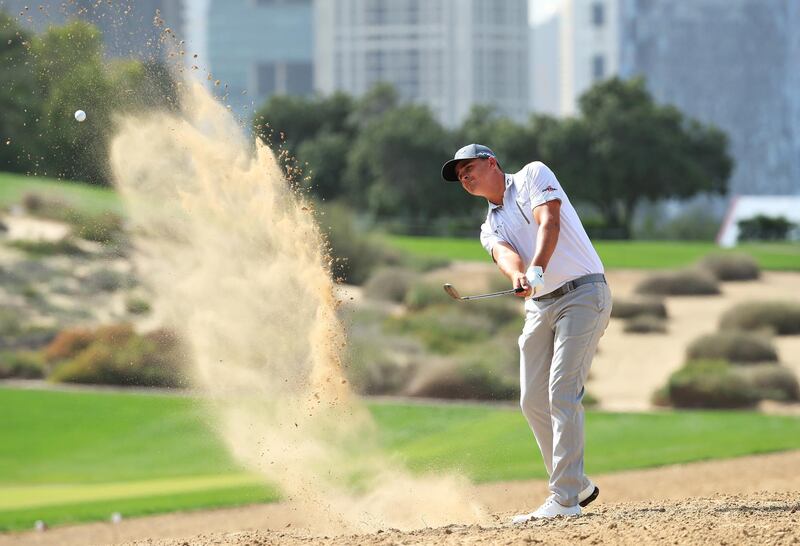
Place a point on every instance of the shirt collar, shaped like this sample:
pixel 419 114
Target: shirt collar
pixel 509 180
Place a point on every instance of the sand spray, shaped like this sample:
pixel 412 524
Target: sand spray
pixel 236 263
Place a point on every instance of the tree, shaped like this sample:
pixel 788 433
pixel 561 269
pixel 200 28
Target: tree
pixel 291 120
pixel 72 76
pixel 325 160
pixel 515 144
pixel 20 102
pixel 393 169
pixel 625 148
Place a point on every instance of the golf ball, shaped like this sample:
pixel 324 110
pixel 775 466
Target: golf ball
pixel 80 115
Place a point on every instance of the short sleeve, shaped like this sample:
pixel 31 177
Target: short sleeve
pixel 542 184
pixel 489 237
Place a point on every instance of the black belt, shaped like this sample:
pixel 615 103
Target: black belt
pixel 572 285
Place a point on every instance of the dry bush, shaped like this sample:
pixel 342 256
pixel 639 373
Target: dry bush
pixel 389 283
pixel 443 329
pixel 739 347
pixel 22 365
pixel 100 228
pixel 771 381
pixel 626 309
pixel 464 382
pixel 423 294
pixel 137 305
pixel 686 282
pixel 731 267
pixel 117 355
pixel 708 384
pixel 67 344
pixel 781 317
pixel 645 324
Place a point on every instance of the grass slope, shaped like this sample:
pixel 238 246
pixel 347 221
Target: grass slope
pixel 68 456
pixel 84 197
pixel 616 254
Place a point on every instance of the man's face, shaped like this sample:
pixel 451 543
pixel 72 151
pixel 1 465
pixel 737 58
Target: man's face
pixel 474 175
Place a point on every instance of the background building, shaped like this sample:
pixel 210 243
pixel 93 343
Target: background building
pixel 731 63
pixel 447 54
pixel 259 48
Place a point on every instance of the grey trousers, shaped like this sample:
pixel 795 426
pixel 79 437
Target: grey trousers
pixel 557 345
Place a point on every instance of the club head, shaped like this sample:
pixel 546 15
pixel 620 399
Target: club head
pixel 451 291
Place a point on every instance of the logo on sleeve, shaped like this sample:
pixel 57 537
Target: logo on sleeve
pixel 549 189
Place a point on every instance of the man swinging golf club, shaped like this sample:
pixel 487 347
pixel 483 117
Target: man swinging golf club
pixel 537 240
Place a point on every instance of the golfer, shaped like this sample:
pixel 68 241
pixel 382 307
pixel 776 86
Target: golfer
pixel 537 240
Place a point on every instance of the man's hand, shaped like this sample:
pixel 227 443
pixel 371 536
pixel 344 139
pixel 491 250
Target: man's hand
pixel 519 280
pixel 537 282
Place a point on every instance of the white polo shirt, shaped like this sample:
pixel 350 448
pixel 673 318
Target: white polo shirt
pixel 513 223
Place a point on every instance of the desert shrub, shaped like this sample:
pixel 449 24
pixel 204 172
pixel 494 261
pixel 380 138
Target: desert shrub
pixel 68 343
pixel 687 282
pixel 709 384
pixel 425 293
pixel 382 364
pixel 45 206
pixel 137 306
pixel 103 280
pixel 731 267
pixel 499 310
pixel 389 283
pixel 645 324
pixel 626 309
pixel 469 381
pixel 353 254
pixel 733 347
pixel 781 317
pixel 10 322
pixel 118 355
pixel 771 381
pixel 21 365
pixel 104 227
pixel 40 248
pixel 443 329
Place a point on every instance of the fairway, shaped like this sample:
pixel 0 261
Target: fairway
pixel 615 254
pixel 69 456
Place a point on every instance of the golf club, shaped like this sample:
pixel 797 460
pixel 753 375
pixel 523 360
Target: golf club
pixel 453 293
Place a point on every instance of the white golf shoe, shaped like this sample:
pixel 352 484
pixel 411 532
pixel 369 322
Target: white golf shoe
pixel 588 495
pixel 550 509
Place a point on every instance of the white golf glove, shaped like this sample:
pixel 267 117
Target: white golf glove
pixel 536 280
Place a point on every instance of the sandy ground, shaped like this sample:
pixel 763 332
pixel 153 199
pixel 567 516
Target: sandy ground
pixel 746 500
pixel 629 367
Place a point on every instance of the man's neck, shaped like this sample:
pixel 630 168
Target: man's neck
pixel 499 188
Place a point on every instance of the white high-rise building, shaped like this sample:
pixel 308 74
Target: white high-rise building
pixel 447 54
pixel 590 47
pixel 731 63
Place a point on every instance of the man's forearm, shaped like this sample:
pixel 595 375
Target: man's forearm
pixel 546 242
pixel 508 260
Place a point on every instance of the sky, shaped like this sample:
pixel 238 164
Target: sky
pixel 539 10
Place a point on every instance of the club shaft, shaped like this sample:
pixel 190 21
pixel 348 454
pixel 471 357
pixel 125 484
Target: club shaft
pixel 492 295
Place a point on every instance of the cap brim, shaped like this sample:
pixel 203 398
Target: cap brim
pixel 449 169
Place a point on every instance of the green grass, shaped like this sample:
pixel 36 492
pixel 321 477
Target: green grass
pixel 68 456
pixel 615 254
pixel 83 197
